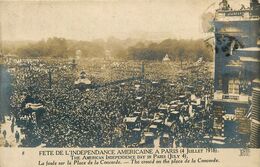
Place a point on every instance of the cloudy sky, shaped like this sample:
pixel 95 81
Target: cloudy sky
pixel 92 19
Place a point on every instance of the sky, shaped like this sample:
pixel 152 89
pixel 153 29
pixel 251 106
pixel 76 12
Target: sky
pixel 101 19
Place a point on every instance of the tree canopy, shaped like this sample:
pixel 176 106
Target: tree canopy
pixel 129 49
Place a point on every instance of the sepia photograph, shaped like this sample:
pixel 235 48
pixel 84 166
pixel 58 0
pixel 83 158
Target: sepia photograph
pixel 130 74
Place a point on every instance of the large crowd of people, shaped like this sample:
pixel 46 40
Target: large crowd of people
pixel 99 117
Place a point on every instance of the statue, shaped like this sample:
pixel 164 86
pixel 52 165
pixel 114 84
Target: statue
pixel 224 5
pixel 242 7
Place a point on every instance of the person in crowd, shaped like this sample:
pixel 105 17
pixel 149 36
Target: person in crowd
pixel 4 133
pixel 17 136
pixel 96 117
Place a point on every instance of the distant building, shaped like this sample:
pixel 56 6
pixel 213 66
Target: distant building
pixel 78 54
pixel 166 58
pixel 236 66
pixel 108 55
pixel 83 82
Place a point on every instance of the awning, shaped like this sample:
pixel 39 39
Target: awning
pixel 83 81
pixel 130 119
pixel 34 106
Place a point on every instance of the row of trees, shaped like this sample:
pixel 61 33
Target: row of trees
pixel 129 49
pixel 187 50
pixel 57 48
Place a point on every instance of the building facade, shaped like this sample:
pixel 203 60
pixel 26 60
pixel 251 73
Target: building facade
pixel 237 58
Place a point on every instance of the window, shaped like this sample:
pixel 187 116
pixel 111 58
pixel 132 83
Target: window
pixel 258 41
pixel 233 86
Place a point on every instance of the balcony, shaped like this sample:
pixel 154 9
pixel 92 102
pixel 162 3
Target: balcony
pixel 231 98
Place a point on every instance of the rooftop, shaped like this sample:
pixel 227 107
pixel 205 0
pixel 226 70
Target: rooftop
pixel 226 13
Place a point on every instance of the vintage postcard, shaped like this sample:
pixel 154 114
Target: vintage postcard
pixel 130 83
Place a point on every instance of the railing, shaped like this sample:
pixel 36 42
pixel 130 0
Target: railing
pixel 235 14
pixel 230 97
